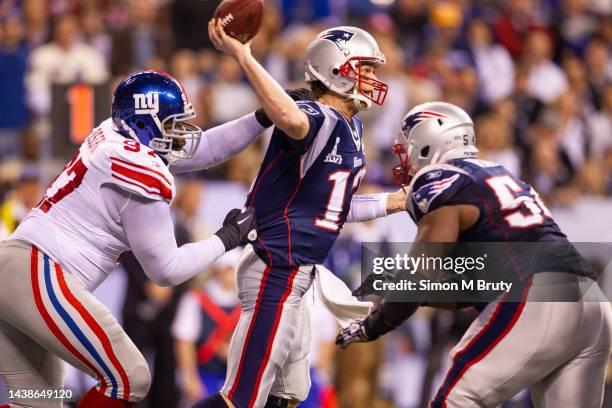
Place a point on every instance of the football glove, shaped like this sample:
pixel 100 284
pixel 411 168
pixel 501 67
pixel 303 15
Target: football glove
pixel 298 94
pixel 356 332
pixel 239 228
pixel 384 318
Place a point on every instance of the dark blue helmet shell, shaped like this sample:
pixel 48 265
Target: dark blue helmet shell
pixel 144 102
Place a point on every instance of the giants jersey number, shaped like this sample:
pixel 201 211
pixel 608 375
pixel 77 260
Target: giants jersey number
pixel 65 183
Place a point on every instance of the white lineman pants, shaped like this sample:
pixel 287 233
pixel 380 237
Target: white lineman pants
pixel 559 350
pixel 46 314
pixel 269 349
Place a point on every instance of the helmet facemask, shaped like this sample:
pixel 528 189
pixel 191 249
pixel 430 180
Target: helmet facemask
pixel 411 159
pixel 180 139
pixel 366 87
pixel 404 171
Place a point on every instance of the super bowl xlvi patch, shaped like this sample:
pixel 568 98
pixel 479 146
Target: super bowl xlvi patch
pixel 334 157
pixel 425 195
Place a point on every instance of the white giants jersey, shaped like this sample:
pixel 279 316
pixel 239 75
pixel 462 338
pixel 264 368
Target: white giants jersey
pixel 73 224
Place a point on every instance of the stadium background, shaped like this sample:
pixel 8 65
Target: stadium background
pixel 535 74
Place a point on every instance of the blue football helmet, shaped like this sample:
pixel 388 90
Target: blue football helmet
pixel 151 107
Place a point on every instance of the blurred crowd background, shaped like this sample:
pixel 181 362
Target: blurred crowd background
pixel 536 75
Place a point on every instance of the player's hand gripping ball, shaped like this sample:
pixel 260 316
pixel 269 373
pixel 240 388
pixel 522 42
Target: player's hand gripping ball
pixel 241 19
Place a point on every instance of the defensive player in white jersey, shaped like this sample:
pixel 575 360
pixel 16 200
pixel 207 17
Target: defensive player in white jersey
pixel 114 196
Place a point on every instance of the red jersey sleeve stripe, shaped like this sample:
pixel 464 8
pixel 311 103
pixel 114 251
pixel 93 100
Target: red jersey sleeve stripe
pixel 140 186
pixel 148 183
pixel 127 163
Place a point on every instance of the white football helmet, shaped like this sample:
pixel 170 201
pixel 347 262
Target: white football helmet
pixel 334 58
pixel 433 132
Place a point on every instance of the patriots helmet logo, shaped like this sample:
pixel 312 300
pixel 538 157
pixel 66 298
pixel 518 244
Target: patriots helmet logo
pixel 417 117
pixel 338 37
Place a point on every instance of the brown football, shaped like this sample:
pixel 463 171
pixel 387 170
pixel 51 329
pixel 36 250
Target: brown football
pixel 241 19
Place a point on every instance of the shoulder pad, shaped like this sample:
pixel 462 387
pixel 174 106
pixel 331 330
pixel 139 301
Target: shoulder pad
pixel 432 187
pixel 139 170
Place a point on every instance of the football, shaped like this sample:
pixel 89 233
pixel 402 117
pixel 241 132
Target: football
pixel 241 19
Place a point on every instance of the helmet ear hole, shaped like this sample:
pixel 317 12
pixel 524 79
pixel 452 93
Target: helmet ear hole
pixel 335 71
pixel 425 151
pixel 140 124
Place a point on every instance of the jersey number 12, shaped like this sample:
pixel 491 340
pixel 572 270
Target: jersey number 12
pixel 335 203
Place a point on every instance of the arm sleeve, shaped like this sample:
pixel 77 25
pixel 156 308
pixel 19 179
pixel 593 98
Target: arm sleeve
pixel 221 143
pixel 367 207
pixel 150 233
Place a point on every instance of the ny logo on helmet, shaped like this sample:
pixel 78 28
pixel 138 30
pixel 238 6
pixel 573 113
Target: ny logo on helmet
pixel 146 103
pixel 338 37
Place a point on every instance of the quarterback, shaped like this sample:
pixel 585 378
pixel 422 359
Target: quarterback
pixel 114 196
pixel 302 196
pixel 559 350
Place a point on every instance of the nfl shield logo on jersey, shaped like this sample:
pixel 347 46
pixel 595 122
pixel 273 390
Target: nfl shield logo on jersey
pixel 146 103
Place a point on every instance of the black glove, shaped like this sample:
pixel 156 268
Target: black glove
pixel 239 228
pixel 384 318
pixel 298 94
pixel 356 332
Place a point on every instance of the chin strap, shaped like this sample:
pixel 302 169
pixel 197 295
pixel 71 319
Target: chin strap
pixel 361 102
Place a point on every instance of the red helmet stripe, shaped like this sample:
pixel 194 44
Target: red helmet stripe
pixel 438 115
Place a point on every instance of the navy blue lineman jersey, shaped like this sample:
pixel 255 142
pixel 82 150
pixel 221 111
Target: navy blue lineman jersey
pixel 511 211
pixel 304 188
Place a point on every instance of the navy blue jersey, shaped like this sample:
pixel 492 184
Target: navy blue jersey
pixel 511 211
pixel 304 188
